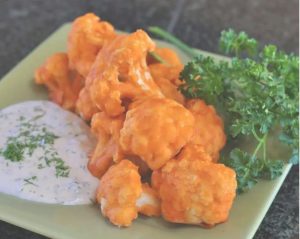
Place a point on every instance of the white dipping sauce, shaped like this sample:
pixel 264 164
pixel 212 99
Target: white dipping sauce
pixel 44 151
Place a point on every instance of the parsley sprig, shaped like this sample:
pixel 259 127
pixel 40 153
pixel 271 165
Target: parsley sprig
pixel 256 91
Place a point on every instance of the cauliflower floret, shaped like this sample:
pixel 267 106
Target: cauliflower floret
pixel 84 105
pixel 194 151
pixel 169 56
pixel 195 191
pixel 63 84
pixel 168 89
pixel 166 75
pixel 107 151
pixel 155 129
pixel 108 132
pixel 119 189
pixel 122 195
pixel 87 36
pixel 209 128
pixel 120 74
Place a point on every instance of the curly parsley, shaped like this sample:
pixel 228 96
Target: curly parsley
pixel 256 91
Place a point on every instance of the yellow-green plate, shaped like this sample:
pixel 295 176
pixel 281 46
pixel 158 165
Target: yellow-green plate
pixel 78 222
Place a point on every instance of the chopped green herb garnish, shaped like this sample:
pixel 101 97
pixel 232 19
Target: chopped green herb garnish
pixel 21 118
pixel 38 116
pixel 26 142
pixel 40 166
pixel 14 152
pixel 62 170
pixel 29 180
pixel 30 138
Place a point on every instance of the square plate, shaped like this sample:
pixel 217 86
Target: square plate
pixel 85 221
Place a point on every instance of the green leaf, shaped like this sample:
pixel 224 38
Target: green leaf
pixel 202 79
pixel 247 169
pixel 272 169
pixel 236 43
pixel 295 157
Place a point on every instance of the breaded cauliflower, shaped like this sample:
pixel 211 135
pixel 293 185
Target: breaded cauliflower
pixel 107 151
pixel 155 129
pixel 209 128
pixel 87 36
pixel 85 106
pixel 119 189
pixel 168 55
pixel 144 170
pixel 166 75
pixel 122 195
pixel 108 132
pixel 195 191
pixel 168 89
pixel 194 151
pixel 63 84
pixel 120 74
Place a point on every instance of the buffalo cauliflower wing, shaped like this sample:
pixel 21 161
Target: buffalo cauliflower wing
pixel 87 36
pixel 107 130
pixel 155 129
pixel 120 74
pixel 168 56
pixel 63 84
pixel 209 128
pixel 122 196
pixel 191 151
pixel 194 190
pixel 166 75
pixel 85 106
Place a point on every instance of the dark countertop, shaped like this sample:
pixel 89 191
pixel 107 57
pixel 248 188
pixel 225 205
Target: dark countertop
pixel 24 24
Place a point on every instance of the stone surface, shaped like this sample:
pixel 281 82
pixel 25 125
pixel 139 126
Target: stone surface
pixel 24 24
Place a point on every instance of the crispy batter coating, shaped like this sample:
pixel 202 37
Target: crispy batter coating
pixel 87 36
pixel 209 128
pixel 107 130
pixel 144 170
pixel 63 84
pixel 122 195
pixel 119 189
pixel 165 83
pixel 167 54
pixel 195 191
pixel 155 129
pixel 120 73
pixel 85 106
pixel 166 75
pixel 197 151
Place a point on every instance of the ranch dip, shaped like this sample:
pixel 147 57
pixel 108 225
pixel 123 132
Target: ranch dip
pixel 44 151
